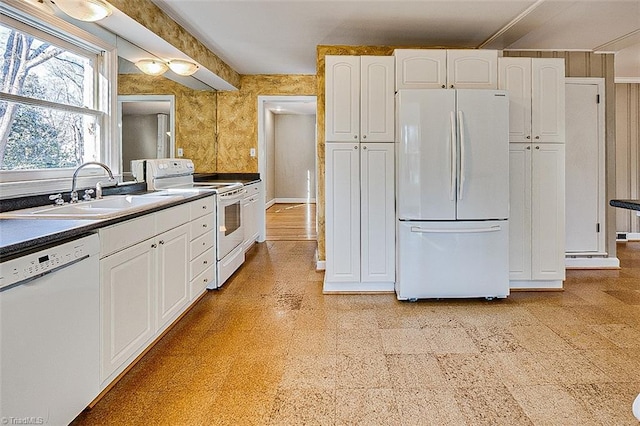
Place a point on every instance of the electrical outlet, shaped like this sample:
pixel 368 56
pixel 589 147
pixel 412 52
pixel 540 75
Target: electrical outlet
pixel 252 152
pixel 180 152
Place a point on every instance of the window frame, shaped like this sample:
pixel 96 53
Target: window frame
pixel 27 18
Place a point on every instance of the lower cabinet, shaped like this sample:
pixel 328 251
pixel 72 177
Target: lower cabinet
pixel 252 210
pixel 537 215
pixel 146 285
pixel 360 217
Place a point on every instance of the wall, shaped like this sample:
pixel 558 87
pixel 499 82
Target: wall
pixel 627 153
pixel 295 151
pixel 586 64
pixel 238 116
pixel 195 115
pixel 270 143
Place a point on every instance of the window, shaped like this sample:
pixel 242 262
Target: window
pixel 50 117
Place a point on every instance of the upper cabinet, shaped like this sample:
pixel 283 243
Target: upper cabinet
pixel 359 98
pixel 440 68
pixel 536 98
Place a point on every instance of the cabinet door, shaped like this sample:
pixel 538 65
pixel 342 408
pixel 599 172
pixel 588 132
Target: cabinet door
pixel 342 98
pixel 548 100
pixel 377 212
pixel 472 69
pixel 377 99
pixel 520 211
pixel 515 76
pixel 173 273
pixel 421 68
pixel 250 221
pixel 127 294
pixel 548 212
pixel 342 216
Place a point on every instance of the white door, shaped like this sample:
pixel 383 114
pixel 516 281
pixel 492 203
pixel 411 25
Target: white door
pixel 377 99
pixel 548 100
pixel 520 211
pixel 585 198
pixel 426 154
pixel 515 76
pixel 173 273
pixel 342 98
pixel 342 215
pixel 548 212
pixel 483 159
pixel 377 212
pixel 472 69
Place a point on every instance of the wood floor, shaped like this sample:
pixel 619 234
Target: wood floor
pixel 291 222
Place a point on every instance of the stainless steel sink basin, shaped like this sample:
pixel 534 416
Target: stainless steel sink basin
pixel 105 208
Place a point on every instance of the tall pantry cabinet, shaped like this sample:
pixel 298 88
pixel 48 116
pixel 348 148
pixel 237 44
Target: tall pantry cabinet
pixel 537 168
pixel 359 173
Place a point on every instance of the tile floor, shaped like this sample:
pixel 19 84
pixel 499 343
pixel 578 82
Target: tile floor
pixel 271 349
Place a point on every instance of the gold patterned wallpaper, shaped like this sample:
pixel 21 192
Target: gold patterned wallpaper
pixel 238 116
pixel 195 115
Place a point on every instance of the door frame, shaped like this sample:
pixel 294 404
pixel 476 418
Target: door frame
pixel 599 259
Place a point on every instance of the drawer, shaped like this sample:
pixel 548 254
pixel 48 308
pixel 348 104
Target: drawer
pixel 171 218
pixel 201 207
pixel 201 282
pixel 201 244
pixel 126 234
pixel 201 225
pixel 202 262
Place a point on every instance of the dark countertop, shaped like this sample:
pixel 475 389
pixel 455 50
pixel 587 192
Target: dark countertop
pixel 626 204
pixel 18 236
pixel 245 178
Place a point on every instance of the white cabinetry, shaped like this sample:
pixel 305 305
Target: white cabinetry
pixel 202 246
pixel 252 210
pixel 360 218
pixel 536 98
pixel 537 215
pixel 359 95
pixel 144 281
pixel 440 68
pixel 537 170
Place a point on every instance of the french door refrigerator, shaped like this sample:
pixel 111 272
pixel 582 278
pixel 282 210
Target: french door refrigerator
pixel 453 193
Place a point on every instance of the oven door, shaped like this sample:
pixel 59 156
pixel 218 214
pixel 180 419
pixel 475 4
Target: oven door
pixel 230 230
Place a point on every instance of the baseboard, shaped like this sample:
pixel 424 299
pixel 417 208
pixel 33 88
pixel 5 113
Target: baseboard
pixel 321 265
pixel 295 200
pixel 633 236
pixel 357 288
pixel 592 263
pixel 269 203
pixel 535 285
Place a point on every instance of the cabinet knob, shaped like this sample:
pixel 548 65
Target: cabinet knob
pixel 154 245
pixel 529 137
pixel 364 136
pixel 528 147
pixel 537 137
pixel 364 147
pixel 452 86
pixel 204 207
pixel 355 136
pixel 205 262
pixel 444 86
pixel 537 147
pixel 206 280
pixel 204 225
pixel 161 241
pixel 355 147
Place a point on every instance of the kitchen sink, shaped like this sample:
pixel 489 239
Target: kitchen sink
pixel 104 208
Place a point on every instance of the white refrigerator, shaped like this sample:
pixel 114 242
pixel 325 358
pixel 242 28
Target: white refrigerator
pixel 453 193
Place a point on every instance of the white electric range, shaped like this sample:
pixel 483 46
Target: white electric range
pixel 173 175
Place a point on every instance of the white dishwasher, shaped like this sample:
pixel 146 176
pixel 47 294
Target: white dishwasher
pixel 49 333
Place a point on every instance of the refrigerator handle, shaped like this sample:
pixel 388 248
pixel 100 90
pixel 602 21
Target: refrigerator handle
pixel 420 230
pixel 452 156
pixel 462 148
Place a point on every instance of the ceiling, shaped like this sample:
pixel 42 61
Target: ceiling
pixel 280 36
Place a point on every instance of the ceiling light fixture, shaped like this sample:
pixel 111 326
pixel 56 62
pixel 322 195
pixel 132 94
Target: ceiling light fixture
pixel 182 67
pixel 42 5
pixel 84 10
pixel 152 67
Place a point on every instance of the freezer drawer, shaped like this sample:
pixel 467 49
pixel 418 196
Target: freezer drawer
pixel 453 259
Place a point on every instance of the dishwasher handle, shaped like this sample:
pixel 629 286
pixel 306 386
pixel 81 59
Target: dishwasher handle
pixel 42 274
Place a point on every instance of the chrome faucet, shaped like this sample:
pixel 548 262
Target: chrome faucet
pixel 74 193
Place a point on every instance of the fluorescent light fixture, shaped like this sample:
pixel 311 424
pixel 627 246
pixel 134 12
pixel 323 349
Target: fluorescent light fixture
pixel 182 67
pixel 84 10
pixel 152 66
